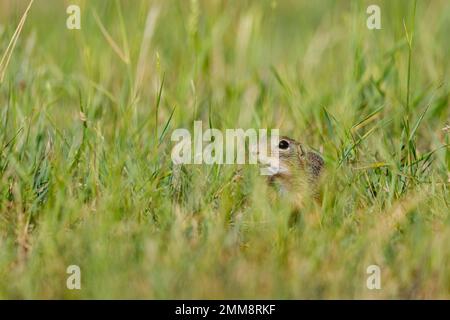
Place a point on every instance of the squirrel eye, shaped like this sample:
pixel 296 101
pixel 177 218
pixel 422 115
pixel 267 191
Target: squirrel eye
pixel 283 144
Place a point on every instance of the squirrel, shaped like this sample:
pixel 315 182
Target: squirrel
pixel 298 172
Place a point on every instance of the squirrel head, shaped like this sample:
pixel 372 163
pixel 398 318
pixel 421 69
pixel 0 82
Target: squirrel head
pixel 298 166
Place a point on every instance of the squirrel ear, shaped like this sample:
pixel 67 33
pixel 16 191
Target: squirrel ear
pixel 301 150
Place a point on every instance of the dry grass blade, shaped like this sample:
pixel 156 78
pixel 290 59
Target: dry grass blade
pixel 124 57
pixel 150 22
pixel 12 43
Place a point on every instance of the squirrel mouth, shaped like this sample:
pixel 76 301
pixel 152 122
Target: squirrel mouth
pixel 274 170
pixel 269 165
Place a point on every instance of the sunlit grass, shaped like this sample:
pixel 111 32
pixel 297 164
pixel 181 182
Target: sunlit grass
pixel 86 176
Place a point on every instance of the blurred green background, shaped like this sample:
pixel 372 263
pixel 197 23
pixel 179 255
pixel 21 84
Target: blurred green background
pixel 86 176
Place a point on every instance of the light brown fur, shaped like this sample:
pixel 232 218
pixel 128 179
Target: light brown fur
pixel 300 171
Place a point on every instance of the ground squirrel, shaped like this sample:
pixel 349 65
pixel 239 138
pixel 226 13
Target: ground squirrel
pixel 298 172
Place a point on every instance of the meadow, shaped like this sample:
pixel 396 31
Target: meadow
pixel 86 176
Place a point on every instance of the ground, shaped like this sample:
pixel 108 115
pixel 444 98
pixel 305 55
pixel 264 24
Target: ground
pixel 86 176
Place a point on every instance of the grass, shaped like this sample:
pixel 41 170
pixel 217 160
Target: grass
pixel 86 176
